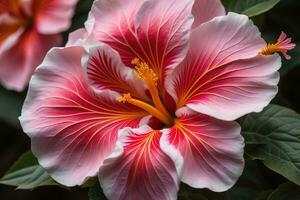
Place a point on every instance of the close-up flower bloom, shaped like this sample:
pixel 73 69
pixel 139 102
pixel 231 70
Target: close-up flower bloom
pixel 28 29
pixel 145 97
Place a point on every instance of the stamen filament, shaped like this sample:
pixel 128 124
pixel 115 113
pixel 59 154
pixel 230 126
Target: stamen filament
pixel 149 108
pixel 156 99
pixel 145 73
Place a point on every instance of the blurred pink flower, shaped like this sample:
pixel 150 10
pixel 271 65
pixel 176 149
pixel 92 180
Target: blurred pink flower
pixel 145 96
pixel 28 29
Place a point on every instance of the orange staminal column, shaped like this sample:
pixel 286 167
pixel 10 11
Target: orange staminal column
pixel 145 73
pixel 270 49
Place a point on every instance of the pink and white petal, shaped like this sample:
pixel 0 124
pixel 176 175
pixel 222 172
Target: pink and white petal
pixel 212 150
pixel 139 169
pixel 105 70
pixel 72 128
pixel 159 37
pixel 230 91
pixel 225 39
pixel 205 10
pixel 77 37
pixel 245 86
pixel 223 76
pixel 111 13
pixel 27 53
pixel 53 16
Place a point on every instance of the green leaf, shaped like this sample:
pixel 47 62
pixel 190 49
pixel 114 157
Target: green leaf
pixel 96 193
pixel 90 182
pixel 188 193
pixel 26 173
pixel 264 195
pixel 82 10
pixel 286 191
pixel 276 130
pixel 249 7
pixel 250 184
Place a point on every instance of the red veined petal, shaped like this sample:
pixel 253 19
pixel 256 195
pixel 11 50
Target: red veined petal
pixel 20 60
pixel 223 76
pixel 72 128
pixel 53 16
pixel 212 150
pixel 139 169
pixel 157 32
pixel 105 70
pixel 205 10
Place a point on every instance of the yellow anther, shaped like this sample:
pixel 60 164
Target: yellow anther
pixel 135 61
pixel 143 71
pixel 125 98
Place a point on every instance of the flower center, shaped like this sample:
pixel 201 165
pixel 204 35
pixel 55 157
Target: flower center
pixel 158 110
pixel 14 20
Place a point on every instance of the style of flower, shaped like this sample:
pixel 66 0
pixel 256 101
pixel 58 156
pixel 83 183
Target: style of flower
pixel 146 96
pixel 283 45
pixel 28 29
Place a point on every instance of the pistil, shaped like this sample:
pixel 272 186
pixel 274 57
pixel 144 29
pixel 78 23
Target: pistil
pixel 283 45
pixel 145 73
pixel 126 98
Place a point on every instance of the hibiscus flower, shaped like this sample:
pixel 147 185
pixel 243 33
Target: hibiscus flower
pixel 146 97
pixel 28 29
